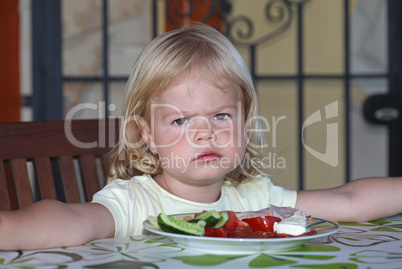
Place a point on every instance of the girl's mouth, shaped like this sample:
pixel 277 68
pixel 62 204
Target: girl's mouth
pixel 208 157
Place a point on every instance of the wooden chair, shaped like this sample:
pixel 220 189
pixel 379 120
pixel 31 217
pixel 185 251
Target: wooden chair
pixel 63 157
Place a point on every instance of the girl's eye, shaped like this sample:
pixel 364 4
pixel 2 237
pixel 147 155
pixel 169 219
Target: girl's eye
pixel 221 116
pixel 180 121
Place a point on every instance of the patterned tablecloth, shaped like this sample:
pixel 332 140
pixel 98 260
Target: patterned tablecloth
pixel 375 244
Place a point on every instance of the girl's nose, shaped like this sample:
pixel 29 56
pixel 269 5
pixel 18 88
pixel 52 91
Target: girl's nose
pixel 202 130
pixel 203 135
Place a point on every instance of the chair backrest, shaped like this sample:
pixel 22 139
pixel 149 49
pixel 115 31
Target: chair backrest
pixel 52 160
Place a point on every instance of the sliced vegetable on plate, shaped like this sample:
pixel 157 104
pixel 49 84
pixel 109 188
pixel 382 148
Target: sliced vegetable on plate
pixel 267 223
pixel 174 225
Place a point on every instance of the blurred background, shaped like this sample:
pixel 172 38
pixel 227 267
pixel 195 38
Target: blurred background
pixel 328 73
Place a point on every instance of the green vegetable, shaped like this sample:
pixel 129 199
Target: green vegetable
pixel 224 217
pixel 211 217
pixel 174 225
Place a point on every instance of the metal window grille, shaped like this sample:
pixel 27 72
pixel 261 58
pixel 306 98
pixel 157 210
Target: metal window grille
pixel 48 77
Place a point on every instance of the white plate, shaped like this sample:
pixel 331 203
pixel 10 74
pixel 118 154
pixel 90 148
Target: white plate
pixel 219 245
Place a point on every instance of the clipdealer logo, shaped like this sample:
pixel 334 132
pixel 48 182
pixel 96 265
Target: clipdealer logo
pixel 330 155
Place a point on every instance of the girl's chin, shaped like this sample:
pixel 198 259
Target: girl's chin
pixel 206 173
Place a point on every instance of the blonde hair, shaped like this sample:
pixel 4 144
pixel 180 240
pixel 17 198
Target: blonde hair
pixel 162 62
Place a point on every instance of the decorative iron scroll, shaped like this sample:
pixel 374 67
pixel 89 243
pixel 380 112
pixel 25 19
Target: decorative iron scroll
pixel 240 28
pixel 279 13
pixel 178 9
pixel 211 12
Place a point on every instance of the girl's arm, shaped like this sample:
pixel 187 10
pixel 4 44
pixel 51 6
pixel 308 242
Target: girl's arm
pixel 50 223
pixel 359 200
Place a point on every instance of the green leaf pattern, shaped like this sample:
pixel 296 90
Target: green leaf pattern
pixel 374 244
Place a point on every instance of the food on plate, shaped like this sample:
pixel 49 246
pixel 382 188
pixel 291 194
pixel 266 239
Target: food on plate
pixel 272 222
pixel 293 225
pixel 263 223
pixel 173 225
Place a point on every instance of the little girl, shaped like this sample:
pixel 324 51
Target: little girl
pixel 189 142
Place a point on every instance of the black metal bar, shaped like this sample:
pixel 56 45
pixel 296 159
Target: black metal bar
pixel 300 92
pixel 395 84
pixel 347 90
pixel 155 19
pixel 47 99
pixel 26 100
pixel 253 61
pixel 105 77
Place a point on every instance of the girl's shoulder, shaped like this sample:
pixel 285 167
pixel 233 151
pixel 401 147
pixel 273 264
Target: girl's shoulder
pixel 142 180
pixel 126 189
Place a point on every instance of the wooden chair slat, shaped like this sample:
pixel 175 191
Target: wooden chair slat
pixel 5 203
pixel 44 178
pixel 43 141
pixel 19 173
pixel 89 174
pixel 52 139
pixel 68 178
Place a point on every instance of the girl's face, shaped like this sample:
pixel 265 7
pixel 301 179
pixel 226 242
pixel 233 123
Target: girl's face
pixel 197 130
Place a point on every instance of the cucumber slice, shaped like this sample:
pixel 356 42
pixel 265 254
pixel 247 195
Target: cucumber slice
pixel 201 223
pixel 174 225
pixel 154 221
pixel 222 221
pixel 211 217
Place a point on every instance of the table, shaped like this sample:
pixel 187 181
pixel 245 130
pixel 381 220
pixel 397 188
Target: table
pixel 375 244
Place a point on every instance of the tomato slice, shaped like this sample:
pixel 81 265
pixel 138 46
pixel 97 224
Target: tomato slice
pixel 223 231
pixel 210 231
pixel 240 232
pixel 231 223
pixel 262 224
pixel 241 223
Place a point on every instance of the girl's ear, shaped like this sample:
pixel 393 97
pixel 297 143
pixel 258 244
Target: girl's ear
pixel 147 136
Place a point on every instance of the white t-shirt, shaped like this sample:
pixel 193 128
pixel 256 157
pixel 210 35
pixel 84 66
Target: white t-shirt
pixel 132 201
